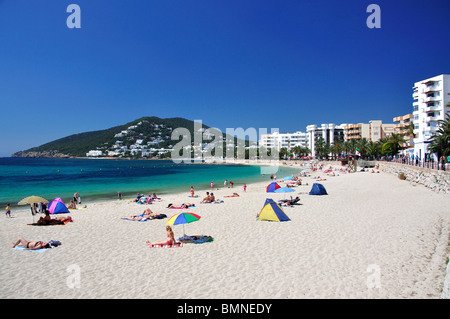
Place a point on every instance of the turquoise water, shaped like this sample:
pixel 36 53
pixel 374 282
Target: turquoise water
pixel 103 178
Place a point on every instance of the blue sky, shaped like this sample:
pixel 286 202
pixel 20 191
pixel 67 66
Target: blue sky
pixel 246 63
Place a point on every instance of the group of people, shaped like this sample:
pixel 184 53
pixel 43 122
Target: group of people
pixel 141 199
pixel 47 220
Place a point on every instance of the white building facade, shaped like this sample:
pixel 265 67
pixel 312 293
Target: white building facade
pixel 431 97
pixel 329 132
pixel 283 140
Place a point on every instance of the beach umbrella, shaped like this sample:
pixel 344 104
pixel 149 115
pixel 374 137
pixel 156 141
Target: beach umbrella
pixel 285 190
pixel 32 199
pixel 182 218
pixel 289 178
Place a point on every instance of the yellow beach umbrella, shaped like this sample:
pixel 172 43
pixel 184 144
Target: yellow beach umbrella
pixel 32 199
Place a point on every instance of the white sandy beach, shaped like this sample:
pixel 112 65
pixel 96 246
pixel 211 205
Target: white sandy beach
pixel 372 236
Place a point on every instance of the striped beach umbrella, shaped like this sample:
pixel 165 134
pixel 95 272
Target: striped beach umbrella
pixel 183 218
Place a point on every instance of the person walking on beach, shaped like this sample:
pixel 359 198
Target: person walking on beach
pixel 8 210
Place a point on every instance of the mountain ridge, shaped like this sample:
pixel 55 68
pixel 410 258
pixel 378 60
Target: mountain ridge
pixel 141 135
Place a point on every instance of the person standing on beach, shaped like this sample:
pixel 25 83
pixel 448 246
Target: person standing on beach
pixel 192 191
pixel 212 185
pixel 245 187
pixel 77 198
pixel 8 210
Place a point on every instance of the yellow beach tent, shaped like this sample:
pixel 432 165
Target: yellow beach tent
pixel 272 212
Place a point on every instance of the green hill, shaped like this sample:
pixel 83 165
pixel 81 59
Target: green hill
pixel 150 132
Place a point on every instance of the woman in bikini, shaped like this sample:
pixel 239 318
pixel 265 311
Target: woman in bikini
pixel 147 214
pixel 170 238
pixel 31 245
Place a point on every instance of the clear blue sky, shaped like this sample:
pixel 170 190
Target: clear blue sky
pixel 229 63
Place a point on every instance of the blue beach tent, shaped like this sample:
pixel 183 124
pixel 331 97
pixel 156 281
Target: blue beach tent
pixel 318 189
pixel 272 212
pixel 57 206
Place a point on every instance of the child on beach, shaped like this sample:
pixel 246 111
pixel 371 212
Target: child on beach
pixel 8 210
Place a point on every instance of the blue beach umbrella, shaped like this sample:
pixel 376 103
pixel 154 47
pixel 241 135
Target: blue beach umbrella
pixel 285 190
pixel 289 178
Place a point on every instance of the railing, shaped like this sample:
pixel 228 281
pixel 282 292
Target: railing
pixel 422 164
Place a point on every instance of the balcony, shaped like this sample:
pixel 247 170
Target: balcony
pixel 432 99
pixel 429 119
pixel 432 108
pixel 432 88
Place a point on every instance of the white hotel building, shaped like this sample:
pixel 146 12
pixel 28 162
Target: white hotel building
pixel 329 132
pixel 431 97
pixel 283 140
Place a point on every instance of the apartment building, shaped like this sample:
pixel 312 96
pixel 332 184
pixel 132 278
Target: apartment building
pixel 431 98
pixel 372 131
pixel 329 132
pixel 403 129
pixel 283 140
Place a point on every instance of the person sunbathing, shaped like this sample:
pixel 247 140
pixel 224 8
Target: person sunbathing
pixel 170 239
pixel 234 195
pixel 207 199
pixel 184 205
pixel 31 245
pixel 72 205
pixel 147 214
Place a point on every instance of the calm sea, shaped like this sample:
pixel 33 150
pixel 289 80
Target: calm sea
pixel 103 178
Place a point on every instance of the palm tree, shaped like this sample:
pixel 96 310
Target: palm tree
pixel 363 144
pixel 393 144
pixel 320 146
pixel 374 149
pixel 440 141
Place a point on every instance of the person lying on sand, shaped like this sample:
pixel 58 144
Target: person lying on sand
pixel 234 195
pixel 147 214
pixel 30 245
pixel 184 205
pixel 47 220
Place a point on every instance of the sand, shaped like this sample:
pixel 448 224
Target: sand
pixel 373 236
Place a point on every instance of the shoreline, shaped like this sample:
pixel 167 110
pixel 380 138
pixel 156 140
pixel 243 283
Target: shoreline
pixel 89 199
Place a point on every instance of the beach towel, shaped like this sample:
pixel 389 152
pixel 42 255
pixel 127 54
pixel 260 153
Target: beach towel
pixel 34 250
pixel 166 246
pixel 53 243
pixel 196 239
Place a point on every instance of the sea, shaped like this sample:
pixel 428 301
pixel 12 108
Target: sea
pixel 100 179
